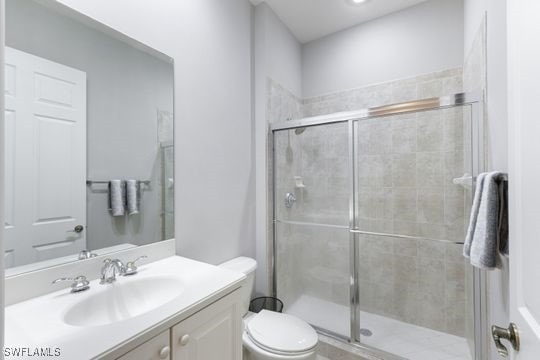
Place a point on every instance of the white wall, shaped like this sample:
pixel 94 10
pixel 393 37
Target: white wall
pixel 474 11
pixel 125 88
pixel 418 40
pixel 283 52
pixel 277 55
pixel 210 41
pixel 497 127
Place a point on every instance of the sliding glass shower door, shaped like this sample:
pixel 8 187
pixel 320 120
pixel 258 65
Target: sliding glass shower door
pixel 312 224
pixel 412 192
pixel 370 215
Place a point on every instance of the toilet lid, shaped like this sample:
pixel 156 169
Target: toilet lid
pixel 281 332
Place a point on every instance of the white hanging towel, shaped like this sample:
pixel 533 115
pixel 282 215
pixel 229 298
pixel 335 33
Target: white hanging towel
pixel 133 196
pixel 117 197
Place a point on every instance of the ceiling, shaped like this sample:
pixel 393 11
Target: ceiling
pixel 313 19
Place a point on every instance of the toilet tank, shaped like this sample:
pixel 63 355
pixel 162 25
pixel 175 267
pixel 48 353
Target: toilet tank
pixel 246 266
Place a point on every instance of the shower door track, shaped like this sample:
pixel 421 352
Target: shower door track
pixel 460 99
pixel 473 99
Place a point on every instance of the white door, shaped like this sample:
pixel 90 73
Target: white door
pixel 213 333
pixel 524 181
pixel 45 159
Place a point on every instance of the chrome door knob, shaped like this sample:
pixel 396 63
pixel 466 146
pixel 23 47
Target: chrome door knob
pixel 184 340
pixel 77 229
pixel 164 352
pixel 511 334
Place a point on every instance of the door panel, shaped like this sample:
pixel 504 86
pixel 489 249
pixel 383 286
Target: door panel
pixel 46 158
pixel 312 238
pixel 157 348
pixel 214 333
pixel 412 190
pixel 312 275
pixel 313 164
pixel 10 119
pixel 524 176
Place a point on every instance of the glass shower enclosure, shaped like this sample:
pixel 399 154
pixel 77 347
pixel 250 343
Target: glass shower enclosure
pixel 370 210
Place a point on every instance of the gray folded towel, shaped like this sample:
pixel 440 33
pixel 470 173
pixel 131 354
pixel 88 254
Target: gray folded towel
pixel 117 197
pixel 133 196
pixel 487 236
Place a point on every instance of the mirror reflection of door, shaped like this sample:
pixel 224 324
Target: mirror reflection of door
pixel 45 159
pixel 87 107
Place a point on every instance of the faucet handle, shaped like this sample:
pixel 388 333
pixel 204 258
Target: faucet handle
pixel 87 254
pixel 79 283
pixel 131 268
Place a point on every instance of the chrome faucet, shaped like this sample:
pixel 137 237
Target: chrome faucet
pixel 87 254
pixel 111 269
pixel 131 268
pixel 78 283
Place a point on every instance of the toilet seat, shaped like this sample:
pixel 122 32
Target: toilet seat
pixel 281 334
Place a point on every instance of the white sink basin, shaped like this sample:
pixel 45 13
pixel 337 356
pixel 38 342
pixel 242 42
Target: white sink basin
pixel 124 300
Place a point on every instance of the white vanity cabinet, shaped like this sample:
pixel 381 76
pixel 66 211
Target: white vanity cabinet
pixel 140 317
pixel 157 348
pixel 213 333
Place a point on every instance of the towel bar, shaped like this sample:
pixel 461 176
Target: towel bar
pixel 91 182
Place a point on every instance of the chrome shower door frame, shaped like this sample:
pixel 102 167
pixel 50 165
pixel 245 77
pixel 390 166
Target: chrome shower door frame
pixel 476 102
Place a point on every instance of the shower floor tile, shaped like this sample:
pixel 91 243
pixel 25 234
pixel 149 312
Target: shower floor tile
pixel 393 336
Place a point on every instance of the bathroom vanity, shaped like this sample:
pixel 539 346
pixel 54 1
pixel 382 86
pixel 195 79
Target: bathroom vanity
pixel 173 308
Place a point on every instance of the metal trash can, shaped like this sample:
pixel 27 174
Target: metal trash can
pixel 265 303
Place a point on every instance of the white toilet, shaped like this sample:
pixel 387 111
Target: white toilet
pixel 270 335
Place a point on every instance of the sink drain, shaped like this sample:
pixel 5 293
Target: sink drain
pixel 365 332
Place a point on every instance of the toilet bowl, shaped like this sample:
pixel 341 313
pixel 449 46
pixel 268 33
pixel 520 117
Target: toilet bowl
pixel 270 335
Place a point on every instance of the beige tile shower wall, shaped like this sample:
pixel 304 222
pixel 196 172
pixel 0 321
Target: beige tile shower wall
pixel 406 165
pixel 437 84
pixel 281 104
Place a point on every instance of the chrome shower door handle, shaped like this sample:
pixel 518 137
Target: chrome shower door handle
pixel 511 334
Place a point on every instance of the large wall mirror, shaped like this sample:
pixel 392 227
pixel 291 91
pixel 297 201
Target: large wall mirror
pixel 89 139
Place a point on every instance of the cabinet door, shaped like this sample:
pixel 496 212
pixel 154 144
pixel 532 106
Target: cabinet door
pixel 157 348
pixel 213 333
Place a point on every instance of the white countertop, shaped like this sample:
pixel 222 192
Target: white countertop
pixel 39 322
